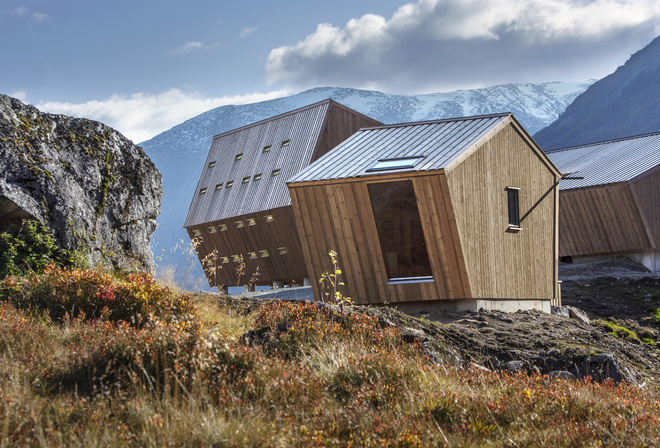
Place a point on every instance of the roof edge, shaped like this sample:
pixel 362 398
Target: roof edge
pixel 586 145
pixel 442 120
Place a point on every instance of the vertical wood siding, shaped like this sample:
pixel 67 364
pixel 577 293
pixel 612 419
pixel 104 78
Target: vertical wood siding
pixel 500 263
pixel 600 220
pixel 647 194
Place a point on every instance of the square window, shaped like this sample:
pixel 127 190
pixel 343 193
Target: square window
pixel 267 148
pixel 263 253
pixel 238 156
pixel 212 229
pixel 275 172
pixel 282 250
pixel 256 176
pixel 229 184
pixel 251 222
pixel 285 143
pixel 202 190
pixel 218 186
pixel 211 164
pixel 246 179
pixel 239 224
pixel 269 218
pixel 223 227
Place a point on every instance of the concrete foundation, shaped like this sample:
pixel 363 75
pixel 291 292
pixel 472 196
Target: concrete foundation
pixel 462 305
pixel 650 259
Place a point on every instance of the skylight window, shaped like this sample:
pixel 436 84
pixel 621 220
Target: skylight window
pixel 395 164
pixel 246 179
pixel 257 176
pixel 267 148
pixel 202 190
pixel 285 143
pixel 238 156
pixel 218 186
pixel 275 172
pixel 211 164
pixel 229 184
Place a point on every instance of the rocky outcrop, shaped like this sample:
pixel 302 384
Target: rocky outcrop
pixel 96 190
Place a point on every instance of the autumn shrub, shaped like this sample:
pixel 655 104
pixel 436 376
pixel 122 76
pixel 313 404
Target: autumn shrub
pixel 135 299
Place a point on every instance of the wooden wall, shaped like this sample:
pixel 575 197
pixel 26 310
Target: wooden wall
pixel 338 216
pixel 647 196
pixel 600 220
pixel 501 263
pixel 270 236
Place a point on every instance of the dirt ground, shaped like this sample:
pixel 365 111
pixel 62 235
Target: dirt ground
pixel 620 342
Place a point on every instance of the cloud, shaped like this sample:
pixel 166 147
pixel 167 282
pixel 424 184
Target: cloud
pixel 39 17
pixel 141 116
pixel 443 44
pixel 19 95
pixel 245 32
pixel 187 48
pixel 22 11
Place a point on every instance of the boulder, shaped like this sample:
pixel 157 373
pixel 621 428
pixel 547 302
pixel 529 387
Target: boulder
pixel 93 188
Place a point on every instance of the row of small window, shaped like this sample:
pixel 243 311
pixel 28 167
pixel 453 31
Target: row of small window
pixel 251 256
pixel 245 180
pixel 266 148
pixel 239 224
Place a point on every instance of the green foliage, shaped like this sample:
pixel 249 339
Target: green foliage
pixel 92 294
pixel 31 248
pixel 616 330
pixel 656 315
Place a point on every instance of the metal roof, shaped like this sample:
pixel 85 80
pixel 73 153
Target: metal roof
pixel 439 141
pixel 607 162
pixel 301 127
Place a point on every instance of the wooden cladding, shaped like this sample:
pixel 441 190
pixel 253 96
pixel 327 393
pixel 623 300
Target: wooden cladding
pixel 601 220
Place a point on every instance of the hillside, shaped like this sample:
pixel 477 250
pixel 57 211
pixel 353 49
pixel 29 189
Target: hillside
pixel 179 153
pixel 623 104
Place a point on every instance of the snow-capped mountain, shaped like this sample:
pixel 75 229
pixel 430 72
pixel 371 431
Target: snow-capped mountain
pixel 180 152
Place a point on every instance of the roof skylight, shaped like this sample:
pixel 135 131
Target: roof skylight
pixel 395 164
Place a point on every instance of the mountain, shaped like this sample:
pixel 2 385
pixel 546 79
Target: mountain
pixel 180 152
pixel 623 104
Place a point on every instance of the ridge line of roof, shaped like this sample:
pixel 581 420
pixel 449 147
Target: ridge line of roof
pixel 283 114
pixel 441 120
pixel 586 145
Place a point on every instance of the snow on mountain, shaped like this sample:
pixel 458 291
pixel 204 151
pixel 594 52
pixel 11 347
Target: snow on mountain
pixel 180 152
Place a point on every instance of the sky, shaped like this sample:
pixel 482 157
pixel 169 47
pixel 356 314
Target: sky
pixel 143 66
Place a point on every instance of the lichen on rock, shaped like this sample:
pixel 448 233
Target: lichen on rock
pixel 96 190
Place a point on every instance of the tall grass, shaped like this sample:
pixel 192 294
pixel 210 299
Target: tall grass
pixel 305 377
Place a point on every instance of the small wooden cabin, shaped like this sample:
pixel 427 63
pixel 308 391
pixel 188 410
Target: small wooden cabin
pixel 459 213
pixel 610 202
pixel 241 209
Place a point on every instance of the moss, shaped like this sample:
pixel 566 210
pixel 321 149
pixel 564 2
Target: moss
pixel 617 330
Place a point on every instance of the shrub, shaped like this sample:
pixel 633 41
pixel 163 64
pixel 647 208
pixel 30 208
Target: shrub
pixel 93 294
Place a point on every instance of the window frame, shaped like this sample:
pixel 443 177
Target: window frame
pixel 513 208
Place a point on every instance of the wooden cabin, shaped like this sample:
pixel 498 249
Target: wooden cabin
pixel 610 202
pixel 241 211
pixel 445 215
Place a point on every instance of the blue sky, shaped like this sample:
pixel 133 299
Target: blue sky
pixel 144 66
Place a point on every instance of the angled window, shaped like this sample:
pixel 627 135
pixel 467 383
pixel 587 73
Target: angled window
pixel 246 179
pixel 400 232
pixel 282 250
pixel 224 260
pixel 211 164
pixel 256 176
pixel 196 232
pixel 239 156
pixel 202 190
pixel 267 148
pixel 235 258
pixel 251 222
pixel 209 262
pixel 212 229
pixel 263 253
pixel 252 255
pixel 269 218
pixel 275 172
pixel 395 164
pixel 218 186
pixel 285 143
pixel 514 207
pixel 223 227
pixel 229 184
pixel 239 224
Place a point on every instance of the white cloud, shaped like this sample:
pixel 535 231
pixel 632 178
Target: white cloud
pixel 245 32
pixel 141 116
pixel 459 43
pixel 187 48
pixel 39 16
pixel 19 95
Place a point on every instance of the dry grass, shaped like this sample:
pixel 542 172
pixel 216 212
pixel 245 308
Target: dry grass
pixel 326 380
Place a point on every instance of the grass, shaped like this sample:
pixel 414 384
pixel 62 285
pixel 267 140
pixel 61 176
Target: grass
pixel 310 377
pixel 616 330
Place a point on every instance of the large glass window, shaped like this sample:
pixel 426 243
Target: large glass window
pixel 400 231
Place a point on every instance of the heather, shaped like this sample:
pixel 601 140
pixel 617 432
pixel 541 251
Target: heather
pixel 211 371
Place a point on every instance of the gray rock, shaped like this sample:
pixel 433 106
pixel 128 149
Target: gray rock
pixel 578 314
pixel 561 375
pixel 514 366
pixel 93 188
pixel 604 366
pixel 554 352
pixel 561 311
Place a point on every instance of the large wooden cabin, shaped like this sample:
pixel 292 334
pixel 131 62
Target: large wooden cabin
pixel 448 214
pixel 610 202
pixel 241 209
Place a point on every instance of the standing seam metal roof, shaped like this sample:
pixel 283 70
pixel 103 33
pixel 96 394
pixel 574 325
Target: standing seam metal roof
pixel 607 162
pixel 439 141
